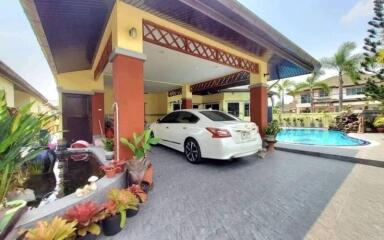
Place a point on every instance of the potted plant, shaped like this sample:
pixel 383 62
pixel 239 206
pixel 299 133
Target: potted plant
pixel 19 133
pixel 271 131
pixel 379 123
pixel 87 215
pixel 111 222
pixel 57 229
pixel 110 170
pixel 139 145
pixel 123 200
pixel 109 145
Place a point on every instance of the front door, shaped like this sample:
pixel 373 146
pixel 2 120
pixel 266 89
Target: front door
pixel 77 117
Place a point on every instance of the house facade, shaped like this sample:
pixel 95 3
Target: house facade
pixel 134 61
pixel 353 97
pixel 19 92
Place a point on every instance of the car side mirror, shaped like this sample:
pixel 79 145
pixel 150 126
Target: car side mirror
pixel 158 120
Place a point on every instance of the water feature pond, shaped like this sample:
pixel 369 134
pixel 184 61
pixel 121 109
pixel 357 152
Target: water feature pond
pixel 70 171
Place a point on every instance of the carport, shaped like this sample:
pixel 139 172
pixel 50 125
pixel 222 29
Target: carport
pixel 169 50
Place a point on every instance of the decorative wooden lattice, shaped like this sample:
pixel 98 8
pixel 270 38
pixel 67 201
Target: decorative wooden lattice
pixel 168 38
pixel 232 80
pixel 174 92
pixel 104 58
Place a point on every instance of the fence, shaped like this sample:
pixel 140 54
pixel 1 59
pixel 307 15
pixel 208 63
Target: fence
pixel 322 120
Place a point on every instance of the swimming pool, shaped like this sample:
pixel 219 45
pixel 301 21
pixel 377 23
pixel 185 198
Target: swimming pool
pixel 313 136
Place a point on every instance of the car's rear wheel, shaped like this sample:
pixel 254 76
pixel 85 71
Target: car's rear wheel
pixel 192 151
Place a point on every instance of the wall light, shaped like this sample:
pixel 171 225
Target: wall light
pixel 133 32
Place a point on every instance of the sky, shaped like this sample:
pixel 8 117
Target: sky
pixel 317 26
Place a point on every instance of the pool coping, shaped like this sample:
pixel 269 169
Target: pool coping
pixel 59 206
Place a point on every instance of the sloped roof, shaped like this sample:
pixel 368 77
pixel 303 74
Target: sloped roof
pixel 69 31
pixel 19 82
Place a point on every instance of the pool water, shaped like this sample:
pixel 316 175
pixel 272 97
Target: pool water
pixel 67 176
pixel 318 137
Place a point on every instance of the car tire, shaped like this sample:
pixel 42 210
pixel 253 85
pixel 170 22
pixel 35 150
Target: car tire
pixel 192 151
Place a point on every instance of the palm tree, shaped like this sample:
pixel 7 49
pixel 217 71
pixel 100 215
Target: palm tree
pixel 312 83
pixel 282 87
pixel 344 62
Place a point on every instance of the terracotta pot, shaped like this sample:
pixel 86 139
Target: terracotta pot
pixel 148 176
pixel 110 171
pixel 120 165
pixel 380 129
pixel 271 146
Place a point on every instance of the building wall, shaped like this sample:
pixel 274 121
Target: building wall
pixel 8 87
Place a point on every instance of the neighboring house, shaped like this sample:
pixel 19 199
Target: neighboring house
pixel 353 96
pixel 19 92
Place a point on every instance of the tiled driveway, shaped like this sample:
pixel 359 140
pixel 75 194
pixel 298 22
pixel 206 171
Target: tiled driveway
pixel 279 197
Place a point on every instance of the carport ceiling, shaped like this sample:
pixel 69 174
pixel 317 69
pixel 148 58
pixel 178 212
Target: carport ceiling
pixel 167 69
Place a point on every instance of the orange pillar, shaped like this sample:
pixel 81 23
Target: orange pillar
pixel 98 114
pixel 128 90
pixel 259 106
pixel 186 103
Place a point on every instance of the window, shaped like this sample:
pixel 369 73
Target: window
pixel 187 117
pixel 323 93
pixel 176 106
pixel 170 118
pixel 305 98
pixel 217 116
pixel 213 106
pixel 355 91
pixel 195 106
pixel 233 109
pixel 246 109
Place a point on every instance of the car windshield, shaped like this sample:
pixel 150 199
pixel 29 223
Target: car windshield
pixel 218 116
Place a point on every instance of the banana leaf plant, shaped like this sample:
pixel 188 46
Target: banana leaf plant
pixel 19 133
pixel 140 145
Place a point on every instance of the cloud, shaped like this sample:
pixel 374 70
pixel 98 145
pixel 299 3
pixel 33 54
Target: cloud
pixel 362 9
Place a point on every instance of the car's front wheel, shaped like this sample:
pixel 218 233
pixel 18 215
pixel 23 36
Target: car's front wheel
pixel 192 151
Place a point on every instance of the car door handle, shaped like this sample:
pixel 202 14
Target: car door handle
pixel 167 127
pixel 184 127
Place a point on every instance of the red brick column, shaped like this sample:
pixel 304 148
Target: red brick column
pixel 259 106
pixel 186 103
pixel 98 114
pixel 128 91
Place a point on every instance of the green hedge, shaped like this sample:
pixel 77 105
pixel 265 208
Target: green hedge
pixel 305 119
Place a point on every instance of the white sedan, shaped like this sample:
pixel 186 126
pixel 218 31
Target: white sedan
pixel 207 134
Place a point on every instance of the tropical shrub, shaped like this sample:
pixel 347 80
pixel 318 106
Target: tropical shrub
pixel 123 200
pixel 273 128
pixel 19 133
pixel 87 215
pixel 57 229
pixel 109 144
pixel 140 144
pixel 379 121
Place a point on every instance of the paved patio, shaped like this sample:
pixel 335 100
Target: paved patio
pixel 284 196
